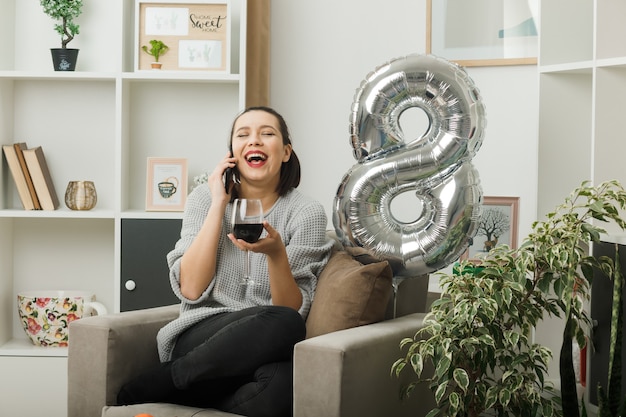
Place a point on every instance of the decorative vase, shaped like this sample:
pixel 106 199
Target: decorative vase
pixel 81 195
pixel 64 59
pixel 46 315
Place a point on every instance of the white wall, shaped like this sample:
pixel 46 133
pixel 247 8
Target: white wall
pixel 321 51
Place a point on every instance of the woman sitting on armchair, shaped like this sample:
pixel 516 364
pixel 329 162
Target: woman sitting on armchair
pixel 232 346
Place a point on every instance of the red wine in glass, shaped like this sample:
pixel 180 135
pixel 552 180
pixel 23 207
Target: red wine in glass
pixel 250 232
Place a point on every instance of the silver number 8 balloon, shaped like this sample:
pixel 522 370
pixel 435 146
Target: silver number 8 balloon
pixel 436 166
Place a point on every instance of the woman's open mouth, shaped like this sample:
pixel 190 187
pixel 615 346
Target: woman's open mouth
pixel 256 158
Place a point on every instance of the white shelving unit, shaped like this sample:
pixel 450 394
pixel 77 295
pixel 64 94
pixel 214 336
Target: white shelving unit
pixel 582 70
pixel 99 123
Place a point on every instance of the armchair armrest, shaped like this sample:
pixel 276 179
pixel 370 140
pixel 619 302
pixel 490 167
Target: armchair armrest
pixel 106 351
pixel 348 373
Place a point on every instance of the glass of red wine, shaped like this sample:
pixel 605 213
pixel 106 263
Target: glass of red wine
pixel 248 226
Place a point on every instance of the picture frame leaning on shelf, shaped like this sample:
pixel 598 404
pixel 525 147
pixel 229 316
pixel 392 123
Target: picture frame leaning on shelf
pixel 166 185
pixel 197 33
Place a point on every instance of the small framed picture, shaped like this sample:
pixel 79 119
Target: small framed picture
pixel 498 225
pixel 166 188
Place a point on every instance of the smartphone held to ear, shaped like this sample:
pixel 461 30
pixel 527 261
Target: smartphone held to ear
pixel 228 179
pixel 229 176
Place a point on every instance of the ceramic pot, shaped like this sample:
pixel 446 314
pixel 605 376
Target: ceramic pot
pixel 81 195
pixel 64 59
pixel 46 315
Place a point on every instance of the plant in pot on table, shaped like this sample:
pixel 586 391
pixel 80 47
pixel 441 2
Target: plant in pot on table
pixel 157 48
pixel 478 335
pixel 64 12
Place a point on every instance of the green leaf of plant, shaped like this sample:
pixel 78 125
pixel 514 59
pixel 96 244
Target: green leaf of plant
pixel 442 366
pixel 508 295
pixel 398 366
pixel 461 378
pixel 455 402
pixel 505 397
pixel 477 292
pixel 441 391
pixel 498 298
pixel 512 337
pixel 405 341
pixel 548 410
pixel 559 287
pixel 544 283
pixel 587 271
pixel 434 412
pixel 417 362
pixel 491 397
pixel 486 339
pixel 507 374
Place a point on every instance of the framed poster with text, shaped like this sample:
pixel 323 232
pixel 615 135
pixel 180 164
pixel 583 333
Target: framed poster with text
pixel 197 34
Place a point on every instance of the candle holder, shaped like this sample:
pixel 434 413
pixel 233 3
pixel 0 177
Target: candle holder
pixel 81 195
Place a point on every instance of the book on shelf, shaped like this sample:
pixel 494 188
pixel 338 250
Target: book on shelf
pixel 19 150
pixel 18 177
pixel 42 180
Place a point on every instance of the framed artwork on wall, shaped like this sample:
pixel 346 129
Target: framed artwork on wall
pixel 166 185
pixel 197 34
pixel 483 32
pixel 498 225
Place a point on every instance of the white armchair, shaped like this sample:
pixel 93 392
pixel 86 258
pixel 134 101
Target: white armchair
pixel 345 373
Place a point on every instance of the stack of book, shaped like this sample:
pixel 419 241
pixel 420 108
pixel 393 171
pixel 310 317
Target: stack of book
pixel 32 177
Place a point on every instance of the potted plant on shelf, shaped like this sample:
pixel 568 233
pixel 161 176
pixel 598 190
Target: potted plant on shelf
pixel 478 335
pixel 64 12
pixel 157 48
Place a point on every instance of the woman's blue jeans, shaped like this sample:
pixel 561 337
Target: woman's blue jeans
pixel 240 362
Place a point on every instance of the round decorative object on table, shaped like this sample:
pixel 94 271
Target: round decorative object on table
pixel 81 195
